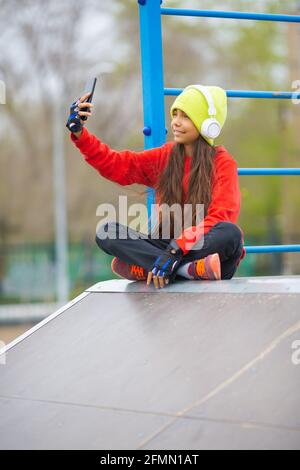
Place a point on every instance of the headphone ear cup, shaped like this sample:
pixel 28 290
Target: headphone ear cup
pixel 210 128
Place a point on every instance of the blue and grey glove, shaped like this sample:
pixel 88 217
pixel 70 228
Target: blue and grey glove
pixel 74 123
pixel 165 266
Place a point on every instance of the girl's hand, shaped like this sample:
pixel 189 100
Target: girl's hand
pixel 165 266
pixel 161 281
pixel 81 105
pixel 79 112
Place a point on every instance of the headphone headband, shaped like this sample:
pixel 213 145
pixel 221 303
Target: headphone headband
pixel 211 106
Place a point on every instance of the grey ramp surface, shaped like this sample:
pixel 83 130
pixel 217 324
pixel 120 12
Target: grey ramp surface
pixel 239 285
pixel 147 370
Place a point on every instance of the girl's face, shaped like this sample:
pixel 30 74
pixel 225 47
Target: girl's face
pixel 183 128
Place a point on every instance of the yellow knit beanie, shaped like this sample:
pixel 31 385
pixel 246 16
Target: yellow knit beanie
pixel 194 104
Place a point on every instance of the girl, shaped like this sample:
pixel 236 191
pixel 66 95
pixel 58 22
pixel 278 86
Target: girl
pixel 190 170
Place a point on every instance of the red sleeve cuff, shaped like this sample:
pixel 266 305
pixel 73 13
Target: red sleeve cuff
pixel 181 243
pixel 81 138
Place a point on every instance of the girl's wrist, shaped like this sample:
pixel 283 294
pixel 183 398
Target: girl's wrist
pixel 174 248
pixel 78 134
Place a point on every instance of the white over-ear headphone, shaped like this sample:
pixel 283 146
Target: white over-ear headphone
pixel 210 128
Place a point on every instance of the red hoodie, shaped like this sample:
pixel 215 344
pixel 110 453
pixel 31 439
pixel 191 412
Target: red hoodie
pixel 127 167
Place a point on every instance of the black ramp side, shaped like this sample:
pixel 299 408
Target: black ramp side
pixel 184 368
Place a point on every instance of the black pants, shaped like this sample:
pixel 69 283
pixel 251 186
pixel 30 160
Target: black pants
pixel 224 238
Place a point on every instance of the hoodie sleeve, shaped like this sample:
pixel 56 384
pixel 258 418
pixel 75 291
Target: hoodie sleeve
pixel 123 167
pixel 225 203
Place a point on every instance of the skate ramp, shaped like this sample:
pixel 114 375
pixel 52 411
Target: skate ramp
pixel 198 365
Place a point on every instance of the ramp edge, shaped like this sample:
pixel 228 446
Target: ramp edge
pixel 43 323
pixel 238 285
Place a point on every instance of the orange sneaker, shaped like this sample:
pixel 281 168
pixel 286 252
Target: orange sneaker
pixel 208 268
pixel 128 271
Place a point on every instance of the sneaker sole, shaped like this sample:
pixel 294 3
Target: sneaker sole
pixel 122 270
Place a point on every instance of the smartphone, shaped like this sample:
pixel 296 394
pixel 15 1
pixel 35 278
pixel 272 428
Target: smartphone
pixel 89 88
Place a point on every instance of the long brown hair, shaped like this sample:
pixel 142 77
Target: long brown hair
pixel 170 188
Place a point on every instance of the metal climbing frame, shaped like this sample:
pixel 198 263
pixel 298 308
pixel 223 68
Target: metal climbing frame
pixel 153 87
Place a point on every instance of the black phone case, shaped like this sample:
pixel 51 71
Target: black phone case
pixel 90 87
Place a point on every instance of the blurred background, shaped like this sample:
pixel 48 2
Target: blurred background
pixel 49 195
